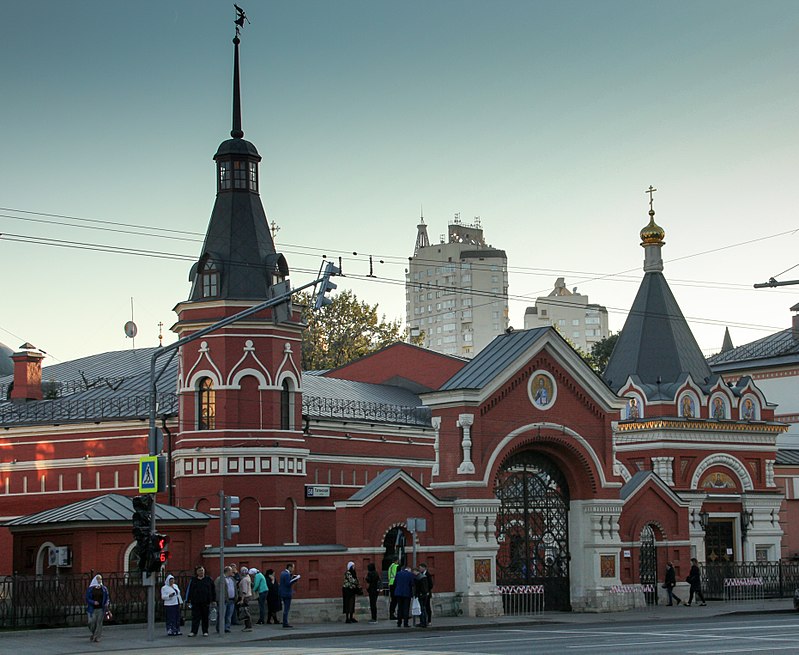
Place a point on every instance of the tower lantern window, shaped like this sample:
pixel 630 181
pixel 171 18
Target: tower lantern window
pixel 239 175
pixel 253 176
pixel 224 175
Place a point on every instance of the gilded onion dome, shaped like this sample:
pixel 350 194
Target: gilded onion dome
pixel 652 233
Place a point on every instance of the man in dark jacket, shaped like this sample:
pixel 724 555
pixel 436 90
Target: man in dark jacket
pixel 428 606
pixel 403 591
pixel 421 591
pixel 286 590
pixel 695 580
pixel 200 595
pixel 669 582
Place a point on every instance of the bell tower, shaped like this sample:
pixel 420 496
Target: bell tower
pixel 240 386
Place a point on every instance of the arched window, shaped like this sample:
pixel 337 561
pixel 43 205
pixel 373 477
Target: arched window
pixel 286 406
pixel 210 280
pixel 206 405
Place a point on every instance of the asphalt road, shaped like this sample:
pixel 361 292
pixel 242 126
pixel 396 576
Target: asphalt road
pixel 729 635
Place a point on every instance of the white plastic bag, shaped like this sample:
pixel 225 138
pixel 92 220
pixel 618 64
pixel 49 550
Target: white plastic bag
pixel 212 615
pixel 416 607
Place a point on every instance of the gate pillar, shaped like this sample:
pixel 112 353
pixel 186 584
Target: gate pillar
pixel 475 557
pixel 595 546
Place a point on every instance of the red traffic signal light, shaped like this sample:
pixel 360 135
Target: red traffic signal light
pixel 159 553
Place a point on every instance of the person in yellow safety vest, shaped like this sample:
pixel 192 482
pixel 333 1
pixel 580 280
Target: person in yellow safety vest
pixel 392 573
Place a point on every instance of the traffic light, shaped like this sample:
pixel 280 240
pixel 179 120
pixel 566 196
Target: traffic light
pixel 326 285
pixel 142 520
pixel 230 513
pixel 159 549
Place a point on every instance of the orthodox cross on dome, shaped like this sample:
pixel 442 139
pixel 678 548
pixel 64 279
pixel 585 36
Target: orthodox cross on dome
pixel 274 228
pixel 650 191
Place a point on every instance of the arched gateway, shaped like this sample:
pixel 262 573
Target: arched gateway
pixel 533 526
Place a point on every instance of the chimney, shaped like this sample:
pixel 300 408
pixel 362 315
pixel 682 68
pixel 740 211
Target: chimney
pixel 795 323
pixel 27 373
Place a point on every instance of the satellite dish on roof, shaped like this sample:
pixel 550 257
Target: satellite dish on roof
pixel 131 329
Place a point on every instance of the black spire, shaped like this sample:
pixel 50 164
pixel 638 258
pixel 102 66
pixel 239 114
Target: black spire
pixel 236 132
pixel 238 259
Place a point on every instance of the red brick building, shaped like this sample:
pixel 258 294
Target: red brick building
pixel 526 466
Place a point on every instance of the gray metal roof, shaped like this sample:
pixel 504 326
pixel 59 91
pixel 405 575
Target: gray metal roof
pixel 114 386
pixel 778 345
pixel 107 386
pixel 788 457
pixel 494 359
pixel 655 343
pixel 379 480
pixel 111 508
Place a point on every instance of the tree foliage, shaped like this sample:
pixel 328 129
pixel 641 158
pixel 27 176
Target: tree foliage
pixel 600 353
pixel 343 331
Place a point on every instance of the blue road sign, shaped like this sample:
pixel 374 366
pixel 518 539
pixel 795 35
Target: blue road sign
pixel 148 475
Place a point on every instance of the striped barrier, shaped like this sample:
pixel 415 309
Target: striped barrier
pixel 744 590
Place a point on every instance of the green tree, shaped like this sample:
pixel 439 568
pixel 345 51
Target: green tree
pixel 343 331
pixel 600 353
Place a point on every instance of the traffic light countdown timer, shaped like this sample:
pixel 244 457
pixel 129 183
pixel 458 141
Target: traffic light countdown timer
pixel 152 547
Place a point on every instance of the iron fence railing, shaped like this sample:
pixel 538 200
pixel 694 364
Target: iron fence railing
pixel 336 408
pixel 66 411
pixel 29 601
pixel 779 579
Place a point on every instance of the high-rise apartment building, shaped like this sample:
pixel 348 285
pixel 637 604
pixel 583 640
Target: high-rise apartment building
pixel 456 291
pixel 570 312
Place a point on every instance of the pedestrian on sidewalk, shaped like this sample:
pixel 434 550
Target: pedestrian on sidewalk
pixel 226 587
pixel 97 603
pixel 373 589
pixel 287 580
pixel 170 594
pixel 245 596
pixel 273 604
pixel 669 582
pixel 200 595
pixel 259 589
pixel 392 574
pixel 403 590
pixel 695 580
pixel 421 592
pixel 349 590
pixel 428 608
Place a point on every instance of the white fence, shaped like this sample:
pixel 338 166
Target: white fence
pixel 522 600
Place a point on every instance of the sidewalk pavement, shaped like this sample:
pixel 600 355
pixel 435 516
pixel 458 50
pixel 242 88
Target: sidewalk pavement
pixel 63 641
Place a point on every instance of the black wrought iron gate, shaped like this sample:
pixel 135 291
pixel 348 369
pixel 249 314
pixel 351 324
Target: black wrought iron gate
pixel 648 565
pixel 533 527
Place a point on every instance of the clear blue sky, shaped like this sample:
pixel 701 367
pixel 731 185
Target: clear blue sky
pixel 546 119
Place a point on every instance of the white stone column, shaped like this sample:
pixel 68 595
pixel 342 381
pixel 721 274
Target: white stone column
pixel 594 538
pixel 696 532
pixel 465 422
pixel 436 422
pixel 475 556
pixel 764 530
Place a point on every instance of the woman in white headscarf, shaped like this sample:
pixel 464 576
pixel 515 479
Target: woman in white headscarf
pixel 97 602
pixel 349 590
pixel 170 594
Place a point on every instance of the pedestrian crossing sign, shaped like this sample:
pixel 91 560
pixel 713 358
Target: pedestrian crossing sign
pixel 148 475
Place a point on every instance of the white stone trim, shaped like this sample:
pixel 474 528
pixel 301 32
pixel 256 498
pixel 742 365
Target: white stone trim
pixel 722 459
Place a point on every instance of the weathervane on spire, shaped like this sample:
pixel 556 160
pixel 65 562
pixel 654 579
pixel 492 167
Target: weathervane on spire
pixel 650 191
pixel 240 18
